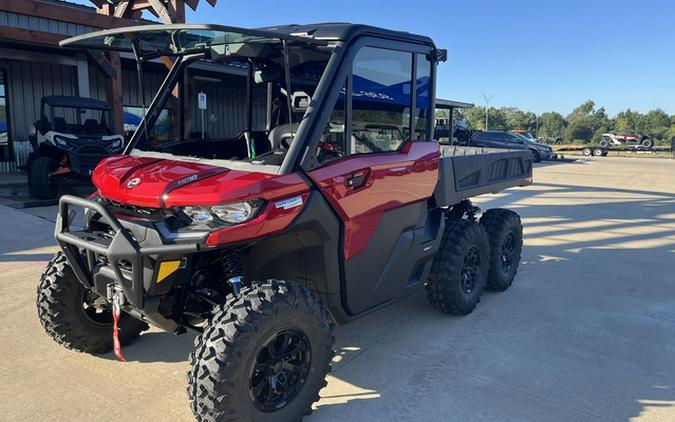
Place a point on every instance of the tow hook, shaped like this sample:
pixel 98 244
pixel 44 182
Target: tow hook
pixel 235 283
pixel 117 300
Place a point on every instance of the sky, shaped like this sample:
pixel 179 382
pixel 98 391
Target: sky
pixel 535 55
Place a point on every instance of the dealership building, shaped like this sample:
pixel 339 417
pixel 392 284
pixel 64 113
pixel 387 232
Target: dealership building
pixel 33 66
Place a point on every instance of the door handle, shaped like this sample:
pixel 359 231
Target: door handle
pixel 357 179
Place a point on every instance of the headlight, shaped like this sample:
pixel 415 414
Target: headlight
pixel 198 214
pixel 116 144
pixel 60 141
pixel 236 213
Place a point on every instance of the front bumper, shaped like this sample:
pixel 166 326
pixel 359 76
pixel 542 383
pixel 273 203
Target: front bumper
pixel 125 257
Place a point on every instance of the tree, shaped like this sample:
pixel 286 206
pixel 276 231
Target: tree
pixel 585 123
pixel 552 125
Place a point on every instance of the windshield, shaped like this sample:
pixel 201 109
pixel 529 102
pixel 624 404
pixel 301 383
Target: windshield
pixel 237 105
pixel 78 121
pixel 522 137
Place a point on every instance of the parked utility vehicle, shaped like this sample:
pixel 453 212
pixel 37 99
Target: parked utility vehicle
pixel 262 241
pixel 626 140
pixel 71 137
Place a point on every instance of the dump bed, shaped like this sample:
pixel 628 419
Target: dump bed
pixel 470 171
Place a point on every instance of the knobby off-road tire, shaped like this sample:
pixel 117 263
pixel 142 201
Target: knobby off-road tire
pixel 60 306
pixel 505 234
pixel 41 185
pixel 460 268
pixel 242 350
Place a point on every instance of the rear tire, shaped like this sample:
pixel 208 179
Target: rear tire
pixel 61 301
pixel 505 234
pixel 598 152
pixel 535 157
pixel 647 142
pixel 460 268
pixel 587 152
pixel 239 360
pixel 41 184
pixel 604 143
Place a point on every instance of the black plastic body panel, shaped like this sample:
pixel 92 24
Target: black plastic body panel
pixel 465 172
pixel 397 259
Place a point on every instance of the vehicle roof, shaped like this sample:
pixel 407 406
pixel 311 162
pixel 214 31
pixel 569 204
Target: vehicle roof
pixel 120 39
pixel 75 102
pixel 343 31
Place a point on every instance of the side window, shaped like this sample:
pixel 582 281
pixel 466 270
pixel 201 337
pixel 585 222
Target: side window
pixel 381 100
pixel 503 137
pixel 422 97
pixel 332 144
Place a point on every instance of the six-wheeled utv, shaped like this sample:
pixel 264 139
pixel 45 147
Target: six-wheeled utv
pixel 322 198
pixel 71 137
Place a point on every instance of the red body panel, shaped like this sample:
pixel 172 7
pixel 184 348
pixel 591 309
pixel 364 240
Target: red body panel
pixel 391 180
pixel 167 183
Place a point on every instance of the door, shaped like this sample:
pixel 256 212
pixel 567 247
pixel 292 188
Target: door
pixel 380 181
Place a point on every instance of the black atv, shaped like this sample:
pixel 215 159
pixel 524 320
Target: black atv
pixel 71 137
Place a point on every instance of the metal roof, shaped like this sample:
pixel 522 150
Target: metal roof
pixel 119 39
pixel 445 104
pixel 75 102
pixel 343 31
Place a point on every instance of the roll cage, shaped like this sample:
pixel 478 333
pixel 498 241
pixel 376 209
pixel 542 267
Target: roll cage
pixel 187 43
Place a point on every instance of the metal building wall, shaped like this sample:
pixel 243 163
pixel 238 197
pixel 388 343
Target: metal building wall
pixel 28 82
pixel 14 20
pixel 225 114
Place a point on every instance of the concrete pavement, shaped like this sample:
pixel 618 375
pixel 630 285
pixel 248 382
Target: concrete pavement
pixel 587 332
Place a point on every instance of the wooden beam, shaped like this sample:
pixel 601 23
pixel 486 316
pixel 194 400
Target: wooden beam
pixel 101 61
pixel 114 92
pixel 121 9
pixel 212 2
pixel 30 37
pixel 192 3
pixel 64 13
pixel 161 10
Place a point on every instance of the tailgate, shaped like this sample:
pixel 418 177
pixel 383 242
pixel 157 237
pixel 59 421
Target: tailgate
pixel 468 171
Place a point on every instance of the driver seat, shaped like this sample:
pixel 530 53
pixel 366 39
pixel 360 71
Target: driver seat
pixel 281 132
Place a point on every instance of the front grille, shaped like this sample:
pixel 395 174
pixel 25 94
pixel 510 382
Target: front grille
pixel 151 214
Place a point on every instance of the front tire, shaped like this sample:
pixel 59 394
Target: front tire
pixel 263 356
pixel 647 142
pixel 42 184
pixel 460 268
pixel 75 317
pixel 505 234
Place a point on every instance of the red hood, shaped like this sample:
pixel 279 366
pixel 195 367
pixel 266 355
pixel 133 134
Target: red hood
pixel 156 183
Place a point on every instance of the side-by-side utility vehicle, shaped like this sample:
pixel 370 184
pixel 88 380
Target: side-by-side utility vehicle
pixel 72 136
pixel 313 194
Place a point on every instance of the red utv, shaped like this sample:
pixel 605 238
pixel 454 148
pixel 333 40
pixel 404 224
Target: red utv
pixel 334 203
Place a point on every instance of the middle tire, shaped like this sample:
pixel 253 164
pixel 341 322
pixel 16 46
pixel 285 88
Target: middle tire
pixel 263 356
pixel 460 268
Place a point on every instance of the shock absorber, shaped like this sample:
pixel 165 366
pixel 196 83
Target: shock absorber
pixel 232 270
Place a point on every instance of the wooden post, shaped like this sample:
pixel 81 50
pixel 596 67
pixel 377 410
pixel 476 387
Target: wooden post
pixel 114 93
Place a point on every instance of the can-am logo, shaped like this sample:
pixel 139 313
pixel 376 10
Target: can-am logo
pixel 134 182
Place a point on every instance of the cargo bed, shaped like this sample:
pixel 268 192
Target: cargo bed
pixel 471 171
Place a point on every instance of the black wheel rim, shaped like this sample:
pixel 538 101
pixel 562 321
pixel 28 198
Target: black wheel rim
pixel 98 313
pixel 280 370
pixel 508 252
pixel 470 269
